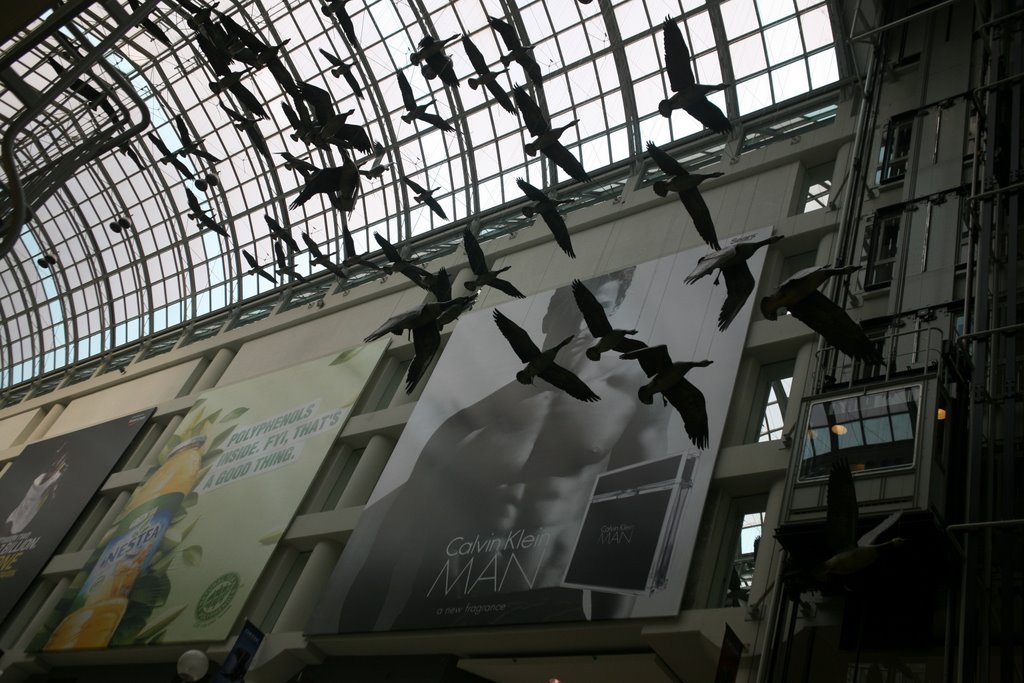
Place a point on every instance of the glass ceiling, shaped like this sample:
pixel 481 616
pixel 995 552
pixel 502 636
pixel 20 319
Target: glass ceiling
pixel 602 62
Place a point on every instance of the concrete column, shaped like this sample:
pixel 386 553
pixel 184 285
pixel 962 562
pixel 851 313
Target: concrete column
pixel 309 587
pixel 44 425
pixel 766 571
pixel 802 369
pixel 108 519
pixel 326 479
pixel 151 455
pixel 367 471
pixel 214 371
pixel 40 614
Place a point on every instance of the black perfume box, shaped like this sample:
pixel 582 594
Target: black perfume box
pixel 628 533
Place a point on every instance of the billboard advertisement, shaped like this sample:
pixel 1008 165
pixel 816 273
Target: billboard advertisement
pixel 193 539
pixel 511 503
pixel 45 490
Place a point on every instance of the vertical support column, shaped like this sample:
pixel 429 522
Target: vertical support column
pixel 309 587
pixel 765 575
pixel 214 371
pixel 367 471
pixel 44 425
pixel 151 455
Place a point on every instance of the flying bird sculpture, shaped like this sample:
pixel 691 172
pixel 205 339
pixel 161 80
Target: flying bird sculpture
pixel 517 51
pixel 546 141
pixel 435 63
pixel 439 284
pixel 283 265
pixel 542 363
pixel 731 263
pixel 377 168
pixel 484 275
pixel 669 379
pixel 425 322
pixel 486 77
pixel 352 257
pixel 800 296
pixel 339 183
pixel 425 196
pixel 346 70
pixel 318 257
pixel 548 210
pixel 336 9
pixel 608 338
pixel 300 166
pixel 202 219
pixel 280 233
pixel 686 185
pixel 689 95
pixel 419 111
pixel 256 269
pixel 851 555
pixel 248 125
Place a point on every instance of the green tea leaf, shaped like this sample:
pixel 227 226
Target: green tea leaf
pixel 151 590
pixel 219 439
pixel 172 442
pixel 190 500
pixel 235 414
pixel 161 623
pixel 192 555
pixel 272 538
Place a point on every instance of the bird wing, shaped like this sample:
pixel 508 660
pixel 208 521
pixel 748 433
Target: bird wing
pixel 629 345
pixel 533 193
pixel 253 263
pixel 709 115
pixel 698 210
pixel 507 287
pixel 826 318
pixel 414 185
pixel 707 264
pixel 159 144
pixel 841 511
pixel 319 100
pixel 558 153
pixel 389 249
pixel 534 119
pixel 592 310
pixel 560 231
pixel 436 121
pixel 441 285
pixel 569 382
pixel 677 58
pixel 435 206
pixel 739 283
pixel 476 58
pixel 248 100
pixel 871 536
pixel 218 62
pixel 477 262
pixel 282 258
pixel 407 97
pixel 517 337
pixel 234 115
pixel 665 161
pixel 330 57
pixel 653 359
pixel 688 401
pixel 507 33
pixel 302 166
pixel 193 201
pixel 396 323
pixel 179 123
pixel 501 97
pixel 531 67
pixel 426 340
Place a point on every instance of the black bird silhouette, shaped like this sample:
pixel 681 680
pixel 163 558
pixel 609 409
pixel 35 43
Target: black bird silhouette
pixel 851 555
pixel 319 258
pixel 439 284
pixel 546 141
pixel 419 111
pixel 376 169
pixel 548 210
pixel 280 233
pixel 190 146
pixel 336 9
pixel 425 322
pixel 282 263
pixel 340 183
pixel 200 217
pixel 127 150
pixel 484 275
pixel 669 380
pixel 352 257
pixel 487 78
pixel 249 126
pixel 244 45
pixel 256 269
pixel 344 70
pixel 517 51
pixel 151 28
pixel 425 196
pixel 800 296
pixel 246 99
pixel 436 64
pixel 303 168
pixel 333 127
pixel 92 96
pixel 686 185
pixel 608 338
pixel 542 363
pixel 731 262
pixel 170 158
pixel 689 95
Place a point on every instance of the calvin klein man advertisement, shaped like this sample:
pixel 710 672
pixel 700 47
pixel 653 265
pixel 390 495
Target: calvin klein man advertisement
pixel 44 492
pixel 477 516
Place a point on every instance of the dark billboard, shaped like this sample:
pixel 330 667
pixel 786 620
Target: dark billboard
pixel 44 492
